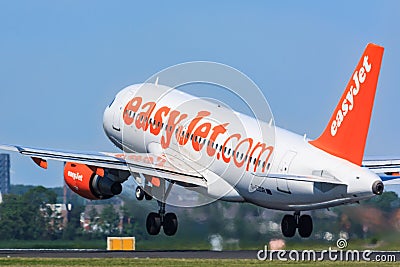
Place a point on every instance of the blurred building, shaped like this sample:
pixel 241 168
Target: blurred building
pixel 93 224
pixel 57 215
pixel 4 173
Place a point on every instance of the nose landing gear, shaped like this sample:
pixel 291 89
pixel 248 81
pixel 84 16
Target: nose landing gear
pixel 303 223
pixel 140 193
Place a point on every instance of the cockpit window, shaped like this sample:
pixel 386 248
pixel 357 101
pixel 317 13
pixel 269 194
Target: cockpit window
pixel 111 103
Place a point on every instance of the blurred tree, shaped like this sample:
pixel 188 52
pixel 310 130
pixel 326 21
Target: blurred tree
pixel 134 221
pixel 27 216
pixel 20 189
pixel 128 224
pixel 12 223
pixel 388 201
pixel 73 228
pixel 110 219
pixel 93 214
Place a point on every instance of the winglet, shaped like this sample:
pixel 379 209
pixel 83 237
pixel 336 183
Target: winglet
pixel 347 130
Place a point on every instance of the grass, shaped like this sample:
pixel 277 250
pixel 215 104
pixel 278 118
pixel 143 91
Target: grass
pixel 102 244
pixel 53 244
pixel 168 262
pixel 187 244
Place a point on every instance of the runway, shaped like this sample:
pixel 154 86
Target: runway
pixel 383 256
pixel 94 253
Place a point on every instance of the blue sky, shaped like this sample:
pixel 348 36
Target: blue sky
pixel 62 62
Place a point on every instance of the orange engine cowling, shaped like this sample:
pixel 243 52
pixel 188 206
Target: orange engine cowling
pixel 90 182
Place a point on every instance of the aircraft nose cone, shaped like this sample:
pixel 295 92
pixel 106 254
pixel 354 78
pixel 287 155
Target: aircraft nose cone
pixel 377 187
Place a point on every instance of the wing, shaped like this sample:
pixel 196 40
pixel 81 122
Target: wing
pixel 158 165
pixel 388 169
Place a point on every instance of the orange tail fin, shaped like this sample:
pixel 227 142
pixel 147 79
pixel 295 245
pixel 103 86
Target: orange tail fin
pixel 347 130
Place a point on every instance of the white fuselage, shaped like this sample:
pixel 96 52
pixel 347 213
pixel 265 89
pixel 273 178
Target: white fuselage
pixel 242 159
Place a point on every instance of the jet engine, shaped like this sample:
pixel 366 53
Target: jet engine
pixel 93 182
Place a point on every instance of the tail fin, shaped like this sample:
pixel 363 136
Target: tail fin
pixel 346 133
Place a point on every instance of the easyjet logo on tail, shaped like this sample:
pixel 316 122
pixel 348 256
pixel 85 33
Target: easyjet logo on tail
pixel 359 77
pixel 345 136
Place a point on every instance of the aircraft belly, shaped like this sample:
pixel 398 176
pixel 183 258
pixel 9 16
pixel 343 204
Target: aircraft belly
pixel 264 191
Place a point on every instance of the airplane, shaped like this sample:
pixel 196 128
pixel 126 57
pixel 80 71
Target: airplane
pixel 171 139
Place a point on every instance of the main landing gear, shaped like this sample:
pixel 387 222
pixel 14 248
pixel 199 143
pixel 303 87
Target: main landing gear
pixel 155 220
pixel 303 223
pixel 168 221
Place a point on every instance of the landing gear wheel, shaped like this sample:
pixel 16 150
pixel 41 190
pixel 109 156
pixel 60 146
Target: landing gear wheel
pixel 153 223
pixel 288 225
pixel 170 224
pixel 305 226
pixel 154 220
pixel 148 196
pixel 139 193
